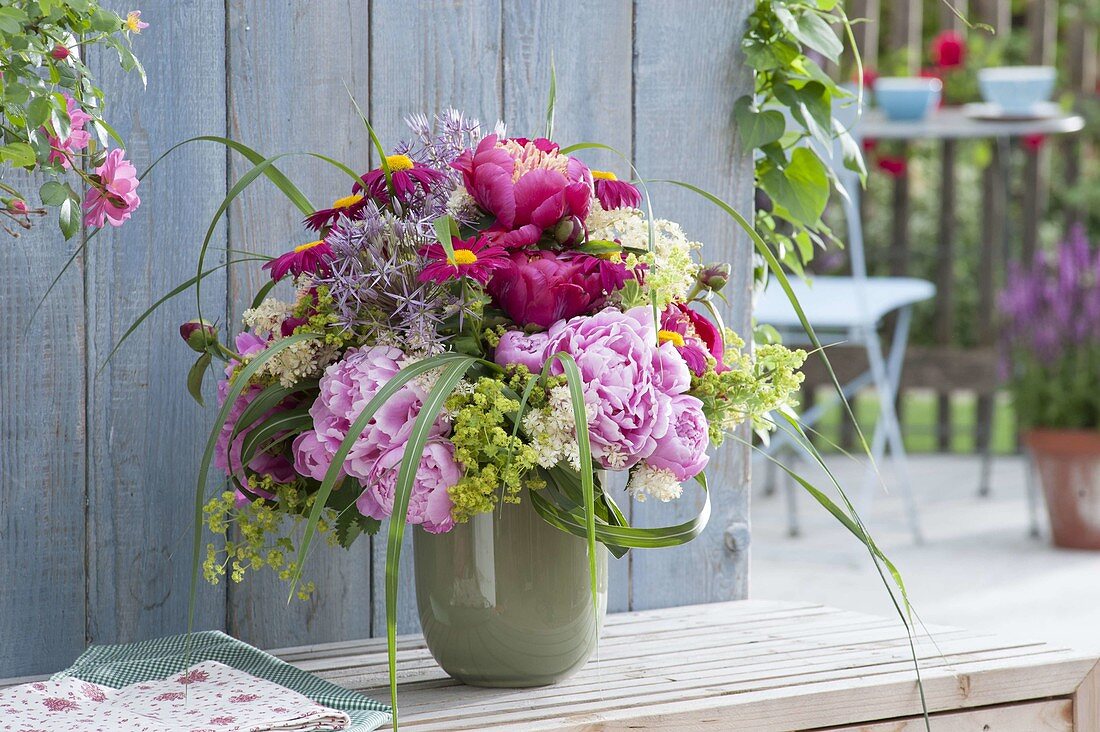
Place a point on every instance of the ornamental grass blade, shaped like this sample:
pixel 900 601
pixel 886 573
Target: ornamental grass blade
pixel 551 99
pixel 289 422
pixel 236 387
pixel 406 476
pixel 382 162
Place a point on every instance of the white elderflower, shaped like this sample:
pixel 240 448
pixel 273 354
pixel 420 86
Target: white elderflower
pixel 551 429
pixel 299 361
pixel 648 481
pixel 265 318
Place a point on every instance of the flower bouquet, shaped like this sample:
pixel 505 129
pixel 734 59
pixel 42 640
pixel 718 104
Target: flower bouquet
pixel 1052 339
pixel 480 333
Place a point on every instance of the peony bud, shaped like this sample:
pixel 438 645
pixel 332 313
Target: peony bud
pixel 17 206
pixel 569 232
pixel 715 276
pixel 60 53
pixel 199 335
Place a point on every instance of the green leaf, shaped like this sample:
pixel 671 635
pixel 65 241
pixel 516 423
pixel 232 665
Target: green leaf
pixel 350 525
pixel 282 425
pixel 68 217
pixel 38 111
pixel 445 228
pixel 812 30
pixel 757 129
pixel 195 376
pixel 19 154
pixel 54 192
pixel 802 188
pixel 11 20
pixel 597 247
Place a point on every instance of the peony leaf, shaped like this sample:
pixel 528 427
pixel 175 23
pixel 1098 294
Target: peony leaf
pixel 194 377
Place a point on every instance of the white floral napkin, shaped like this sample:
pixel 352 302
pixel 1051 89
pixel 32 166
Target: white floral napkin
pixel 208 697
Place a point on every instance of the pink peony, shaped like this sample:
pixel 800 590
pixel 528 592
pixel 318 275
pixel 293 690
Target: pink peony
pixel 429 505
pixel 228 457
pixel 527 185
pixel 114 196
pixel 541 288
pixel 346 388
pixel 78 138
pixel 628 381
pixel 517 347
pixel 682 450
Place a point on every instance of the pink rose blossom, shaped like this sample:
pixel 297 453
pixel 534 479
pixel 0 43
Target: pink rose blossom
pixel 524 349
pixel 682 450
pixel 114 197
pixel 78 138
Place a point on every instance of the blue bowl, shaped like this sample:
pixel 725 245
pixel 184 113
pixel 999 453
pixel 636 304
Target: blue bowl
pixel 907 97
pixel 1017 89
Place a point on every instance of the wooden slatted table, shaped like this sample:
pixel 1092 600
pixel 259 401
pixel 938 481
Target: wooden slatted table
pixel 749 665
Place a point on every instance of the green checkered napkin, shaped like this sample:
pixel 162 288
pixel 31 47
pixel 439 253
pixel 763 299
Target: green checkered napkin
pixel 116 666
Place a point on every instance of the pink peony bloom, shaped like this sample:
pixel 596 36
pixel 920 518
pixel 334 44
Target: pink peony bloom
pixel 628 382
pixel 542 287
pixel 78 138
pixel 614 193
pixel 517 347
pixel 114 196
pixel 528 187
pixel 682 450
pixel 345 390
pixel 474 258
pixel 429 504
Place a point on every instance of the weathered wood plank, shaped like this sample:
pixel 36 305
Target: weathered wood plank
pixel 594 104
pixel 905 23
pixel 1046 716
pixel 42 435
pixel 420 64
pixel 688 72
pixel 145 433
pixel 1042 23
pixel 289 61
pixel 1086 703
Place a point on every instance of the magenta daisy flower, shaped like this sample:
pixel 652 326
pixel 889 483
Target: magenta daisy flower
pixel 406 175
pixel 312 258
pixel 349 206
pixel 475 258
pixel 615 193
pixel 677 329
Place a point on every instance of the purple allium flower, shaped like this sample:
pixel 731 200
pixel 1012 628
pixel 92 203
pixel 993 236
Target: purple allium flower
pixel 629 382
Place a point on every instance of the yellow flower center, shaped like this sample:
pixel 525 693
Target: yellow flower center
pixel 604 175
pixel 464 257
pixel 666 336
pixel 133 21
pixel 310 245
pixel 347 201
pixel 398 162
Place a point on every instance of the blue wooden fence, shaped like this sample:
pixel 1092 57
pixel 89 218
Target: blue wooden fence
pixel 98 466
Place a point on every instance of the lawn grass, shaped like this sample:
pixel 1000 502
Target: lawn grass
pixel 919 420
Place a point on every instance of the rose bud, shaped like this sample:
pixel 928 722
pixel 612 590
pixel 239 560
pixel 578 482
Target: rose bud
pixel 60 53
pixel 715 276
pixel 199 334
pixel 17 206
pixel 569 231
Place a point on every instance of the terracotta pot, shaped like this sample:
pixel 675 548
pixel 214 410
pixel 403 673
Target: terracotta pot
pixel 1068 463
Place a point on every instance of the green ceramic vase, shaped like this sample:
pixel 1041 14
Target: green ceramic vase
pixel 505 599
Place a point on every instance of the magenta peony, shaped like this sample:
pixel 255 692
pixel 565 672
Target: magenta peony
pixel 113 195
pixel 682 450
pixel 517 347
pixel 528 187
pixel 628 382
pixel 429 504
pixel 541 288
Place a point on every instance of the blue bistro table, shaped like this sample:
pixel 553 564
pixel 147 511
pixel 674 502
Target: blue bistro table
pixel 949 125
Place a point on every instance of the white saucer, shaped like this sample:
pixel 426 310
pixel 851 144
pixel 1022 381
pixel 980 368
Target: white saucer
pixel 994 112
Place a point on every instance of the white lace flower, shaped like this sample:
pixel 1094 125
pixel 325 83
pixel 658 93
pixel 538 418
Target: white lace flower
pixel 647 481
pixel 265 318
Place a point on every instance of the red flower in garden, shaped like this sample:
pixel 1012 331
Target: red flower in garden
pixel 869 144
pixel 893 165
pixel 615 193
pixel 312 258
pixel 406 175
pixel 948 50
pixel 349 206
pixel 1033 143
pixel 475 258
pixel 60 53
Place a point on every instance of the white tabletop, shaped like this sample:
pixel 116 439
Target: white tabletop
pixel 955 123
